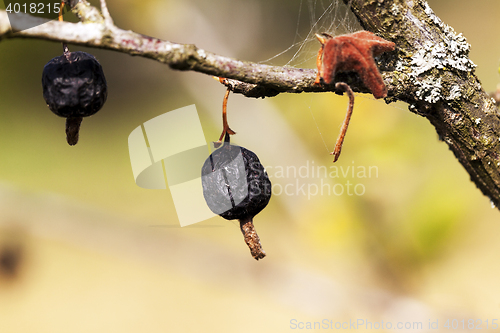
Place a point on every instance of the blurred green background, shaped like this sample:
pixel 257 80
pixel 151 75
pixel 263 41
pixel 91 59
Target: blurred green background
pixel 88 250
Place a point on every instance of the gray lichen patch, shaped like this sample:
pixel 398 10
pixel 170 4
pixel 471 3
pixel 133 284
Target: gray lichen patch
pixel 395 9
pixel 452 53
pixel 449 53
pixel 429 90
pixel 454 93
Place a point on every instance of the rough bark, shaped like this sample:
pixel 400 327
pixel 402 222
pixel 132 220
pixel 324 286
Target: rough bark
pixel 430 70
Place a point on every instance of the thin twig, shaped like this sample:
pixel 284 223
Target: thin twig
pixel 105 12
pixel 345 124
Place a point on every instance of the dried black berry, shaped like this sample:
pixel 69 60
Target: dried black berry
pixel 74 87
pixel 236 186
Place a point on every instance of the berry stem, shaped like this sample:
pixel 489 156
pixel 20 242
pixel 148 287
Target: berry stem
pixel 73 129
pixel 60 18
pixel 225 126
pixel 251 238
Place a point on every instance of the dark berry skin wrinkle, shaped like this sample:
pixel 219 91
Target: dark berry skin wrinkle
pixel 353 52
pixel 74 85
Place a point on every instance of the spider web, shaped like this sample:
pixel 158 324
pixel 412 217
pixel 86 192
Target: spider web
pixel 316 16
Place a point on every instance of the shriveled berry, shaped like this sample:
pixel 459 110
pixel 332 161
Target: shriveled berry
pixel 236 186
pixel 74 87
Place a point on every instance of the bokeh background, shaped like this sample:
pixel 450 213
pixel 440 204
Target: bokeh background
pixel 82 248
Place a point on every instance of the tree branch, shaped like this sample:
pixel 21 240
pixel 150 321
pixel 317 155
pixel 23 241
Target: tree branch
pixel 430 70
pixel 252 80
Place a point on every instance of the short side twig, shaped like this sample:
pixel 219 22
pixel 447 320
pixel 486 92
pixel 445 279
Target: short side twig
pixel 105 13
pixel 345 124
